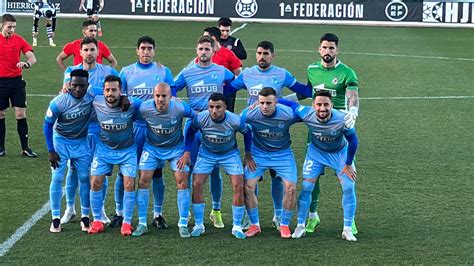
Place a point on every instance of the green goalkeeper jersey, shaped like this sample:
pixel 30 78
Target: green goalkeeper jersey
pixel 338 79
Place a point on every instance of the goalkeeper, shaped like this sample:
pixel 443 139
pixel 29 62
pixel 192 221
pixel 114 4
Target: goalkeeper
pixel 331 74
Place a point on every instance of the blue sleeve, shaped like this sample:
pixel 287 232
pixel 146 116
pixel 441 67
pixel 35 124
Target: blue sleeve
pixel 123 77
pixel 169 77
pixel 300 88
pixel 67 75
pixel 290 80
pixel 243 115
pixel 48 134
pixel 189 137
pixel 179 82
pixel 352 147
pixel 52 113
pixel 228 76
pixel 229 89
pixel 238 82
pixel 291 104
pixel 248 140
pixel 137 103
pixel 114 72
pixel 188 112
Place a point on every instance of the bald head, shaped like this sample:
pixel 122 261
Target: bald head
pixel 162 96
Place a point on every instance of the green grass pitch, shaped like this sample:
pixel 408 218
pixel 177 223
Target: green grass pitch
pixel 415 162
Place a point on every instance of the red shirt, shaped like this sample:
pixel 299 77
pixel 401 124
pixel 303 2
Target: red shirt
pixel 74 48
pixel 10 52
pixel 226 58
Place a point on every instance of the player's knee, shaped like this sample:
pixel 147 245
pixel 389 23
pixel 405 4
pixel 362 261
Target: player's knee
pixel 129 184
pixel 57 178
pixel 84 178
pixel 238 188
pixel 143 183
pixel 20 113
pixel 2 114
pixel 181 183
pixel 307 186
pixel 249 189
pixel 290 190
pixel 96 184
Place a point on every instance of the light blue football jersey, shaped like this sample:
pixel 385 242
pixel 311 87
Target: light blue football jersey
pixel 327 136
pixel 165 130
pixel 116 127
pixel 70 116
pixel 201 82
pixel 219 137
pixel 254 79
pixel 271 133
pixel 96 75
pixel 139 80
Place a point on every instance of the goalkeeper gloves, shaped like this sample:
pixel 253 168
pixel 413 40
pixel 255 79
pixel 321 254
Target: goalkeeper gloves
pixel 350 117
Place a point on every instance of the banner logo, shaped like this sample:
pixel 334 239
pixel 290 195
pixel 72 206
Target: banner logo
pixel 396 10
pixel 246 8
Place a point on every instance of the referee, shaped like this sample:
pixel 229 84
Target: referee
pixel 12 85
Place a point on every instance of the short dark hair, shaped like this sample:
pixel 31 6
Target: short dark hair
pixel 88 23
pixel 214 32
pixel 224 21
pixel 325 93
pixel 8 18
pixel 79 73
pixel 88 40
pixel 146 39
pixel 217 97
pixel 267 91
pixel 204 39
pixel 113 78
pixel 329 37
pixel 266 45
pixel 48 14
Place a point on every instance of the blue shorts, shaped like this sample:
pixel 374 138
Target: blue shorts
pixel 317 159
pixel 154 157
pixel 283 162
pixel 78 156
pixel 139 136
pixel 105 158
pixel 206 162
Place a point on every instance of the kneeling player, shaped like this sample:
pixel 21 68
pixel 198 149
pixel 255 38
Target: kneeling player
pixel 218 149
pixel 116 147
pixel 332 145
pixel 164 142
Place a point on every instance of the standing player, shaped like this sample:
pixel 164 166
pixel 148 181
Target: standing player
pixel 92 8
pixel 69 114
pixel 229 42
pixel 332 145
pixel 164 142
pixel 253 79
pixel 116 147
pixel 44 9
pixel 139 80
pixel 89 29
pixel 226 58
pixel 201 80
pixel 97 73
pixel 12 85
pixel 271 145
pixel 219 148
pixel 341 80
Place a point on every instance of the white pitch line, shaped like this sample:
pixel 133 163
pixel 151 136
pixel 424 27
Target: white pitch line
pixel 361 98
pixel 21 231
pixel 239 28
pixel 313 51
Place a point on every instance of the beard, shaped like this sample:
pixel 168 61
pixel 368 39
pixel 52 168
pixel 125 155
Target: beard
pixel 328 58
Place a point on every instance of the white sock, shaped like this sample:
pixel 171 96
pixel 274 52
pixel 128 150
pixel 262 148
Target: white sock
pixel 313 215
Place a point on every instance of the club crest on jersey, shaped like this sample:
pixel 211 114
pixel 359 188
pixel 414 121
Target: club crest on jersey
pixel 274 80
pixel 281 125
pixel 156 78
pixel 174 120
pixel 335 81
pixel 123 115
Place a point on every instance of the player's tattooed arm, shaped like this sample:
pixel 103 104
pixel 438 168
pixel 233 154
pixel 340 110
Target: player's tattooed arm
pixel 352 98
